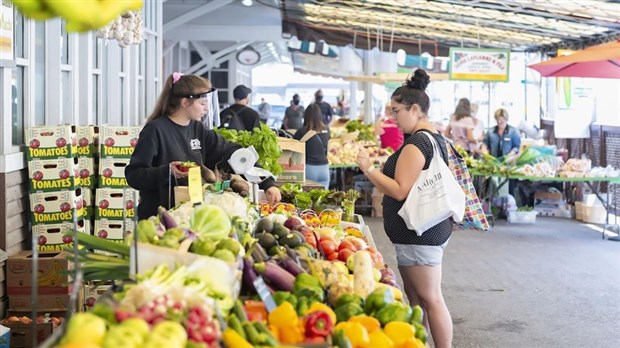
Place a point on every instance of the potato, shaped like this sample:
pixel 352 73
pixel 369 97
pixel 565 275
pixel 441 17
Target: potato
pixel 208 175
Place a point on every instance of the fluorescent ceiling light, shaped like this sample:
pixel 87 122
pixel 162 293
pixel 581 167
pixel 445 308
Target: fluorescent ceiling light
pixel 246 2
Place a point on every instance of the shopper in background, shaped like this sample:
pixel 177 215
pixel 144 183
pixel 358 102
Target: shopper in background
pixel 503 138
pixel 264 110
pixel 326 109
pixel 239 116
pixel 174 133
pixel 419 257
pixel 293 115
pixel 317 166
pixel 388 131
pixel 461 127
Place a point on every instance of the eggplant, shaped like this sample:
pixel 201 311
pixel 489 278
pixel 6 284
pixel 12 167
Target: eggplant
pixel 249 274
pixel 166 219
pixel 291 266
pixel 279 278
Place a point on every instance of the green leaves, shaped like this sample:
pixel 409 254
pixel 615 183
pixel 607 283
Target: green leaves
pixel 264 141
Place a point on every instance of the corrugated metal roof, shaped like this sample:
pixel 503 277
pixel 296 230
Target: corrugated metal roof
pixel 520 25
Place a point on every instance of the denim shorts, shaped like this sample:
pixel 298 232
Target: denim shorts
pixel 419 255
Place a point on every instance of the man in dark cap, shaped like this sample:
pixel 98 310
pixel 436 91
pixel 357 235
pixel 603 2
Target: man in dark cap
pixel 326 109
pixel 239 116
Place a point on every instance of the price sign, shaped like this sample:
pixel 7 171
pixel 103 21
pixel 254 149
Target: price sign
pixel 264 294
pixel 194 184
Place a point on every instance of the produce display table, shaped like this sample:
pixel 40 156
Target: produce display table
pixel 306 185
pixel 591 182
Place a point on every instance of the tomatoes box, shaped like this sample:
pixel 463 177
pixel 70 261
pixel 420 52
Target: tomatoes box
pixel 46 303
pixel 117 142
pixel 52 174
pixel 87 203
pixel 115 204
pixel 92 293
pixel 52 278
pixel 87 140
pixel 45 142
pixel 113 230
pixel 86 176
pixel 54 237
pixel 56 206
pixel 112 172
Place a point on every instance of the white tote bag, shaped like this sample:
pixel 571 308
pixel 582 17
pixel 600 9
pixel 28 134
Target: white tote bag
pixel 434 197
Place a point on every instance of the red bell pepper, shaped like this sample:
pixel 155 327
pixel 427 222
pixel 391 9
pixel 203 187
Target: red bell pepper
pixel 318 324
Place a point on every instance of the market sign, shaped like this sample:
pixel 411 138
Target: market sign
pixel 478 64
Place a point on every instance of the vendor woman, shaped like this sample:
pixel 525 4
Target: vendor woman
pixel 173 134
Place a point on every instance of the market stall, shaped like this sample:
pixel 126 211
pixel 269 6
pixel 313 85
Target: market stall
pixel 227 273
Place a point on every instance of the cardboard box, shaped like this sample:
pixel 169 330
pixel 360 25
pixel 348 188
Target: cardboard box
pixel 52 174
pixel 52 278
pixel 112 172
pixel 46 303
pixel 92 292
pixel 115 204
pixel 45 142
pixel 54 237
pixel 293 158
pixel 56 206
pixel 113 229
pixel 547 201
pixel 87 140
pixel 86 175
pixel 118 142
pixel 87 203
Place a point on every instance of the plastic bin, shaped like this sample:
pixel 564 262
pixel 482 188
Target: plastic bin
pixel 522 217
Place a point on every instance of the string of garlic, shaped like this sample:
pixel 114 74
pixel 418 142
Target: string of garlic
pixel 126 29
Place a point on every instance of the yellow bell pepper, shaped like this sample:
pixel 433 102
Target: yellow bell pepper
pixel 399 332
pixel 356 333
pixel 233 339
pixel 275 331
pixel 283 315
pixel 290 334
pixel 369 323
pixel 413 343
pixel 317 306
pixel 380 340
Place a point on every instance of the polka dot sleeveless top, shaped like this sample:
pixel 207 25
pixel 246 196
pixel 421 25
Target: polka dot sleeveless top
pixel 393 224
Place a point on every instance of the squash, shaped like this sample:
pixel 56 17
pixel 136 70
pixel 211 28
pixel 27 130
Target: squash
pixel 363 281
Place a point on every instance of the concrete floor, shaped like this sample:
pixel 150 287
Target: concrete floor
pixel 552 284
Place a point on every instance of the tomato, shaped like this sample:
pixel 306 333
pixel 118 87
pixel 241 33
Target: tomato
pixel 358 244
pixel 347 245
pixel 344 254
pixel 324 238
pixel 310 238
pixel 329 247
pixel 332 257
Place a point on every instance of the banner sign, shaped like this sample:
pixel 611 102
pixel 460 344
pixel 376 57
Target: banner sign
pixel 478 64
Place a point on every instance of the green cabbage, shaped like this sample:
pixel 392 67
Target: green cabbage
pixel 210 221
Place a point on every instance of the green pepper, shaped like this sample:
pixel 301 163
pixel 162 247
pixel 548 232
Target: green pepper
pixel 284 296
pixel 302 306
pixel 346 311
pixel 420 332
pixel 377 300
pixel 305 280
pixel 394 312
pixel 349 298
pixel 418 315
pixel 312 294
pixel 339 340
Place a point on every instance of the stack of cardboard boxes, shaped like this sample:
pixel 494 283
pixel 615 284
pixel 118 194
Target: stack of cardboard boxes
pixel 114 210
pixel 54 186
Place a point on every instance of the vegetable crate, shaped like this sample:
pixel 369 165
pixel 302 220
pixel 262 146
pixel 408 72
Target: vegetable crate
pixel 522 217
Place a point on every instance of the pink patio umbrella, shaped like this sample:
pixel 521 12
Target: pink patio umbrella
pixel 601 61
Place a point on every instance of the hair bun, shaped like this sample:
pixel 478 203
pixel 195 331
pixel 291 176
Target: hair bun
pixel 419 80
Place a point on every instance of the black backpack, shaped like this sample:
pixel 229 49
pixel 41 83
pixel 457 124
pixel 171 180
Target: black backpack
pixel 231 120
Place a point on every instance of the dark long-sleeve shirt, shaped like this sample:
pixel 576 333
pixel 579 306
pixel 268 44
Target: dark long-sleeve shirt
pixel 162 141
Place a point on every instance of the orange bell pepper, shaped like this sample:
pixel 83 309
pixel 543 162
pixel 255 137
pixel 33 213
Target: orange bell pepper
pixel 255 310
pixel 291 334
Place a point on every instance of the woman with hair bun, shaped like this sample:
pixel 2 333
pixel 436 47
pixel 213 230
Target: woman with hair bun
pixel 419 257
